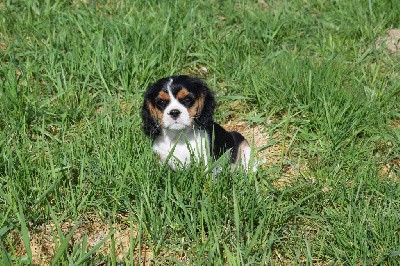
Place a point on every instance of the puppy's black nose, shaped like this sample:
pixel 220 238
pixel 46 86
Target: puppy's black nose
pixel 174 113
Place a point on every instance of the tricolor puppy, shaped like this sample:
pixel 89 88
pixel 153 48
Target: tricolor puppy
pixel 177 114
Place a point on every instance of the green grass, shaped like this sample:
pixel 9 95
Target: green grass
pixel 71 82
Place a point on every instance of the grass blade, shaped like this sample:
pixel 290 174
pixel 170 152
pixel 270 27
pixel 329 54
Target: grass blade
pixel 93 250
pixel 24 231
pixel 64 245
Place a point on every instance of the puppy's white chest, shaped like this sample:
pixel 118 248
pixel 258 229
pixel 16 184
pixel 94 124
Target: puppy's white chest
pixel 182 147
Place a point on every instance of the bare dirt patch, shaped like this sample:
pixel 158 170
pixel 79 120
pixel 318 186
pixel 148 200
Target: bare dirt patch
pixel 391 167
pixel 79 2
pixel 3 43
pixel 264 5
pixel 391 170
pixel 197 71
pixel 390 42
pixel 44 240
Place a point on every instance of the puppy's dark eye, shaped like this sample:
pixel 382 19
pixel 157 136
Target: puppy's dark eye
pixel 187 101
pixel 161 104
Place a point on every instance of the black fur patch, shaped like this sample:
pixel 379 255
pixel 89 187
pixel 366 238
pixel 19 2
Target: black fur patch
pixel 224 140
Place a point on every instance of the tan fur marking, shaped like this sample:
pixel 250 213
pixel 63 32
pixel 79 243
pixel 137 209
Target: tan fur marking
pixel 155 113
pixel 182 94
pixel 197 106
pixel 163 96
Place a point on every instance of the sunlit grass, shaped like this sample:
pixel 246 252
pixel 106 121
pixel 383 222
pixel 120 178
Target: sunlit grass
pixel 71 82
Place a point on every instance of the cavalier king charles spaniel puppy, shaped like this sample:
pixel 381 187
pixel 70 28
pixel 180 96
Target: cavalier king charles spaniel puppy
pixel 177 114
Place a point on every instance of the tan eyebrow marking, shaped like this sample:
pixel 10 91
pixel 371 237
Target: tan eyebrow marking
pixel 182 93
pixel 164 96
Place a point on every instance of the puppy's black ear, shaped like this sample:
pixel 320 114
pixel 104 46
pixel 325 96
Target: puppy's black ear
pixel 150 125
pixel 205 119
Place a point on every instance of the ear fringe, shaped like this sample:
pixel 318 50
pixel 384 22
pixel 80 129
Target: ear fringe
pixel 205 119
pixel 150 126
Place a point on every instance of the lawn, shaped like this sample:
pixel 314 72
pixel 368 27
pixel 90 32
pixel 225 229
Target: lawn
pixel 314 84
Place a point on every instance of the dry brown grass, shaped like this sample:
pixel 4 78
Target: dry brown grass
pixel 44 240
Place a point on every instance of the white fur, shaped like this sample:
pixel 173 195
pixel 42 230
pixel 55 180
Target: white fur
pixel 245 153
pixel 169 84
pixel 245 157
pixel 188 143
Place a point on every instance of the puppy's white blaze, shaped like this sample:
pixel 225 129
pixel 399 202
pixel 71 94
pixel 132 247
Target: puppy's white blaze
pixel 169 85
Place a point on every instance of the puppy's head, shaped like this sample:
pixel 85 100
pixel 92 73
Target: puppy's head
pixel 175 103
